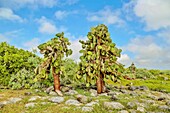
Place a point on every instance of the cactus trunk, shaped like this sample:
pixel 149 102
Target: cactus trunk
pixel 56 80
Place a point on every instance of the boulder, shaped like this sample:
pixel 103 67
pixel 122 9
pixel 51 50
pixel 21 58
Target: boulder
pixel 56 99
pixel 92 104
pixel 113 105
pixel 87 109
pixel 83 99
pixel 93 92
pixel 73 102
pixel 141 109
pixel 71 92
pixel 32 104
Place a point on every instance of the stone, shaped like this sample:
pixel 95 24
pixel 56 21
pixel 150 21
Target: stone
pixel 37 90
pixel 27 93
pixel 32 104
pixel 34 98
pixel 141 109
pixel 113 105
pixel 53 93
pixel 132 88
pixel 149 101
pixel 168 103
pixel 44 103
pixel 71 92
pixel 93 92
pixel 92 104
pixel 131 104
pixel 113 98
pixel 56 99
pixel 123 111
pixel 143 88
pixel 14 100
pixel 87 109
pixel 49 89
pixel 1 105
pixel 103 94
pixel 161 98
pixel 73 102
pixel 65 89
pixel 132 111
pixel 164 107
pixel 83 99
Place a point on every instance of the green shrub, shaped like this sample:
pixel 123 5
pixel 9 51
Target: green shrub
pixel 24 79
pixel 13 60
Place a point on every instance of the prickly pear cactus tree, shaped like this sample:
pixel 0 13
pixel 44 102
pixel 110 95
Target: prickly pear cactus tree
pixel 99 59
pixel 54 52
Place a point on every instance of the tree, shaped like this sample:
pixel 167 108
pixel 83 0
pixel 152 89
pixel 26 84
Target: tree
pixel 99 59
pixel 54 52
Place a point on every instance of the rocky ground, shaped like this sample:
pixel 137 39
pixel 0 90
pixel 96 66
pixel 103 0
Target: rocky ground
pixel 129 99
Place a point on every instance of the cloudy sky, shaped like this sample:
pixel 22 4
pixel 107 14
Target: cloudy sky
pixel 141 28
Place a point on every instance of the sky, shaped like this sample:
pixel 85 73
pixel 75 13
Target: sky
pixel 141 28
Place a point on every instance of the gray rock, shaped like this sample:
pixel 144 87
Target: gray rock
pixel 34 98
pixel 143 88
pixel 14 100
pixel 56 99
pixel 149 101
pixel 131 104
pixel 132 88
pixel 132 111
pixel 141 109
pixel 53 93
pixel 71 92
pixel 87 109
pixel 113 98
pixel 93 92
pixel 49 89
pixel 103 94
pixel 123 111
pixel 73 102
pixel 37 90
pixel 92 104
pixel 161 98
pixel 1 105
pixel 164 107
pixel 27 93
pixel 168 103
pixel 65 89
pixel 32 104
pixel 83 99
pixel 44 103
pixel 113 105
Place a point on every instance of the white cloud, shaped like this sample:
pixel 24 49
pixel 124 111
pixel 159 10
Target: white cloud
pixel 155 13
pixel 125 60
pixel 8 14
pixel 165 35
pixel 106 16
pixel 147 54
pixel 76 47
pixel 47 26
pixel 63 14
pixel 32 44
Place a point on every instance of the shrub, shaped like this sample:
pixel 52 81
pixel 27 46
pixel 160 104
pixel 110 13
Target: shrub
pixel 24 79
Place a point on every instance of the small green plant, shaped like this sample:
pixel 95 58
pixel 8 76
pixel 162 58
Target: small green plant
pixel 24 79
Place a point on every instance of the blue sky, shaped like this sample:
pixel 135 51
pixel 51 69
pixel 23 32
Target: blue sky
pixel 140 28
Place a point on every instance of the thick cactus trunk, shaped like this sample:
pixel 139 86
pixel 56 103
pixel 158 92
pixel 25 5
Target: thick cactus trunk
pixel 56 82
pixel 99 84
